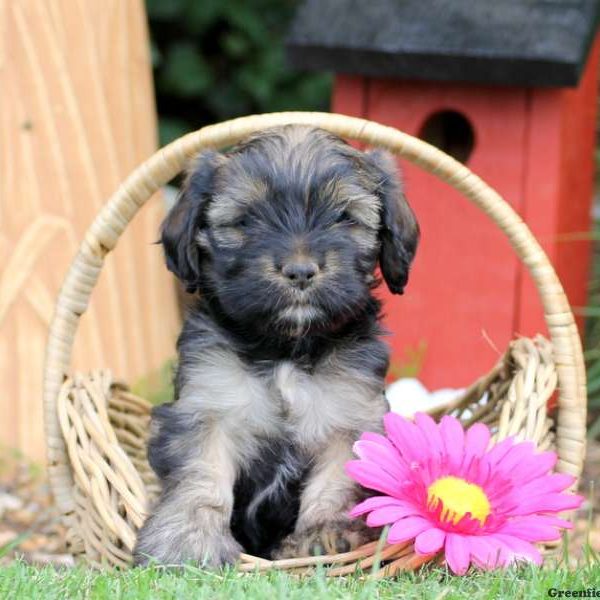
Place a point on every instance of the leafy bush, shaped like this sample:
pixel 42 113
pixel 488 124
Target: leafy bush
pixel 218 59
pixel 592 335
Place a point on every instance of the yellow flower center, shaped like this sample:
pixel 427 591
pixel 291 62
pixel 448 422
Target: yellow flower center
pixel 458 497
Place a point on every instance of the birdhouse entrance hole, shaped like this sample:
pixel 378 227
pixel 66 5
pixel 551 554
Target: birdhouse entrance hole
pixel 451 132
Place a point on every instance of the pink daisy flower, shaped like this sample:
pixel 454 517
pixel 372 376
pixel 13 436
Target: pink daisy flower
pixel 445 489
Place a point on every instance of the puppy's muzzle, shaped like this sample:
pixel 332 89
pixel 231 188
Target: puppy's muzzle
pixel 300 273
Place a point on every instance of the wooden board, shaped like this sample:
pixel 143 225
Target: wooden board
pixel 76 116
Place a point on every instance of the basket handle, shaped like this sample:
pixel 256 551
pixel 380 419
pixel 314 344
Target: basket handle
pixel 103 235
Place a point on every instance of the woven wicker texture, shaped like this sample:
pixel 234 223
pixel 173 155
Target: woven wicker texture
pixel 106 427
pixel 77 482
pixel 512 399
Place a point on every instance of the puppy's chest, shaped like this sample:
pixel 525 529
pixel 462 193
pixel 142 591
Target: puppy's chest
pixel 294 390
pixel 310 405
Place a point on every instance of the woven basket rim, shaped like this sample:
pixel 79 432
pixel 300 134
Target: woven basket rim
pixel 105 427
pixel 105 231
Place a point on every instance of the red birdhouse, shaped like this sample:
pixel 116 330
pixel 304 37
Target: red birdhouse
pixel 509 89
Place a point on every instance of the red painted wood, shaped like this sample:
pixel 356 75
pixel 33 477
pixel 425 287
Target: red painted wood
pixel 468 292
pixel 464 277
pixel 559 188
pixel 350 98
pixel 577 184
pixel 349 95
pixel 541 192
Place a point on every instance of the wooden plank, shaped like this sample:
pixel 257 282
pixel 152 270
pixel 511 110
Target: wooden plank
pixel 76 116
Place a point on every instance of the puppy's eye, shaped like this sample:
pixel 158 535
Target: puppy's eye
pixel 347 218
pixel 242 222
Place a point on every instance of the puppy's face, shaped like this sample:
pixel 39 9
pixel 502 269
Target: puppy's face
pixel 285 231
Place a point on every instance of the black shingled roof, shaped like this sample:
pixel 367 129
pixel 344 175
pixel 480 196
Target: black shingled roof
pixel 510 42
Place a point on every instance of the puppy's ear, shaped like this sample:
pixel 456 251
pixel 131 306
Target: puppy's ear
pixel 399 230
pixel 186 218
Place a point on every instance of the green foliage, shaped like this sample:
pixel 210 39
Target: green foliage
pixel 219 59
pixel 157 387
pixel 411 363
pixel 592 336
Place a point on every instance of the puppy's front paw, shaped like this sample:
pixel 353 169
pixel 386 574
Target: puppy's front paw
pixel 206 548
pixel 330 538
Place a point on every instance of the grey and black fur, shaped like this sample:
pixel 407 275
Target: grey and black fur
pixel 281 365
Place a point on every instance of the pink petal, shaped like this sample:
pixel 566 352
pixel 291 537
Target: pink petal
pixel 484 552
pixel 533 528
pixel 547 503
pixel 457 553
pixel 551 521
pixel 431 432
pixel 519 549
pixel 429 541
pixel 477 439
pixel 540 464
pixel 386 458
pixel 497 452
pixel 369 436
pixel 453 437
pixel 549 483
pixel 374 503
pixel 407 529
pixel 390 514
pixel 373 477
pixel 526 494
pixel 406 437
pixel 518 454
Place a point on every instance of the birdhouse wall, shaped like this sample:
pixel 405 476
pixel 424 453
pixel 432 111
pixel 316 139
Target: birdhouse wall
pixel 469 294
pixel 559 188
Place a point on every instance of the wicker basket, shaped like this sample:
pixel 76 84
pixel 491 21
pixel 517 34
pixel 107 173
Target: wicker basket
pixel 96 429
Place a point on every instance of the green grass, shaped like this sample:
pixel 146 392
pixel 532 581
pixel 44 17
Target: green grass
pixel 20 581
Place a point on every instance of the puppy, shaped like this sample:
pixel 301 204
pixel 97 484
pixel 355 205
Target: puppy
pixel 281 366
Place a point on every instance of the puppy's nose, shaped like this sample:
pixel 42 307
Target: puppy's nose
pixel 300 274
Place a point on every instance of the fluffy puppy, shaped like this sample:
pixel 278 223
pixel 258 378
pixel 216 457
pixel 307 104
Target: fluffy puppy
pixel 281 366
